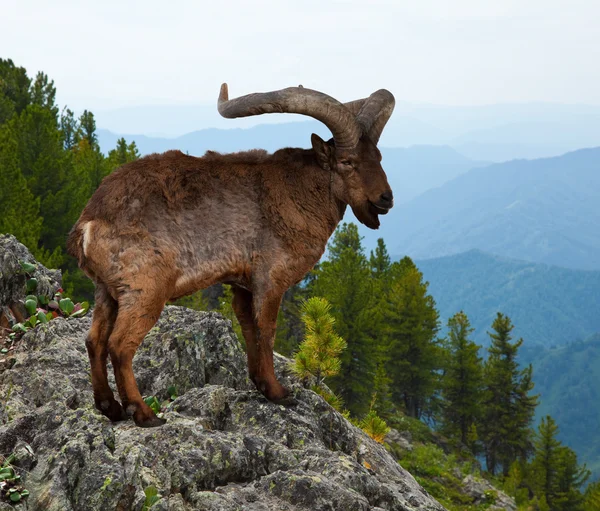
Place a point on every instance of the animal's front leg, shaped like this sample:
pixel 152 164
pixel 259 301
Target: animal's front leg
pixel 265 307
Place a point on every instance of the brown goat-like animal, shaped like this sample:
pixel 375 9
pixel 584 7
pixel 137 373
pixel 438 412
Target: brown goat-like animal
pixel 167 225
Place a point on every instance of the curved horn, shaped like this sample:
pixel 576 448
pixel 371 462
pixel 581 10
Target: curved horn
pixel 297 100
pixel 373 113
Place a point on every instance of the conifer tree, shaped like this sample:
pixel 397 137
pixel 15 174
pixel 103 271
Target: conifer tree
pixel 122 154
pixel 555 473
pixel 344 280
pixel 414 352
pixel 545 462
pixel 290 328
pixel 319 353
pixel 462 382
pixel 14 90
pixel 19 209
pixel 380 260
pixel 507 406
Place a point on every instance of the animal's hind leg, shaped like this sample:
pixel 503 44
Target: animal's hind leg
pixel 242 306
pixel 137 315
pixel 105 314
pixel 265 307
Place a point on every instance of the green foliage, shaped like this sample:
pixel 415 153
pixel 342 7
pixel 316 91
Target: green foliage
pixel 344 280
pixel 49 167
pixel 42 309
pixel 568 379
pixel 380 261
pixel 152 497
pixel 290 328
pixel 196 301
pixel 591 498
pixel 462 384
pixel 19 208
pixel 415 355
pixel 440 474
pixel 11 489
pixel 507 406
pixel 374 426
pixel 318 355
pixel 153 403
pixel 226 309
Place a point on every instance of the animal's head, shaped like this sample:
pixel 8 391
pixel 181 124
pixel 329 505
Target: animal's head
pixel 352 152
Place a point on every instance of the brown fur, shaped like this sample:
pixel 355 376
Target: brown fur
pixel 167 225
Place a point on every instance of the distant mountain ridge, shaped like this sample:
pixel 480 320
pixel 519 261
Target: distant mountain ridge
pixel 545 210
pixel 487 132
pixel 548 305
pixel 411 171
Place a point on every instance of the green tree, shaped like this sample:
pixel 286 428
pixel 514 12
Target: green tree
pixel 43 93
pixel 414 352
pixel 69 128
pixel 571 479
pixel 45 165
pixel 380 260
pixel 122 154
pixel 19 209
pixel 591 497
pixel 556 475
pixel 87 126
pixel 462 382
pixel 545 462
pixel 14 90
pixel 290 328
pixel 344 280
pixel 319 353
pixel 507 406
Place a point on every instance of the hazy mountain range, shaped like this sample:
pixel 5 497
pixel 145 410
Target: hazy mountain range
pixel 548 305
pixel 544 210
pixel 491 132
pixel 411 171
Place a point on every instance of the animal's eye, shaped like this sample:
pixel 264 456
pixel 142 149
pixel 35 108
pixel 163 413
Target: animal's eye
pixel 346 162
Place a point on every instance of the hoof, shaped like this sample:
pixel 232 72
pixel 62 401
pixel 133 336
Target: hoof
pixel 112 409
pixel 288 400
pixel 150 422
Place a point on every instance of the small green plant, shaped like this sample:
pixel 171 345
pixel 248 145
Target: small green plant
pixel 156 406
pixel 318 355
pixel 373 425
pixel 153 403
pixel 11 489
pixel 152 497
pixel 42 309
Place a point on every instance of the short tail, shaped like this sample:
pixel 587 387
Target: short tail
pixel 75 244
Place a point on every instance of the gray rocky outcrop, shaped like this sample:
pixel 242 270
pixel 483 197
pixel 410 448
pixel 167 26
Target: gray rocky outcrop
pixel 13 279
pixel 482 491
pixel 224 446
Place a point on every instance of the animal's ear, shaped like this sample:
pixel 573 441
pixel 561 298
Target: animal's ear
pixel 322 151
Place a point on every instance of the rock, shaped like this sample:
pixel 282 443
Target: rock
pixel 403 439
pixel 483 492
pixel 224 446
pixel 13 280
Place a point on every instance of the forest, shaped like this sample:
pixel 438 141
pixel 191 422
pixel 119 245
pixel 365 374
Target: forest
pixel 373 342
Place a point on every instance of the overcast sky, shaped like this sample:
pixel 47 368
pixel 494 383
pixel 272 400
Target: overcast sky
pixel 461 52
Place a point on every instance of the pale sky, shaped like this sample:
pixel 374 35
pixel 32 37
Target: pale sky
pixel 461 52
